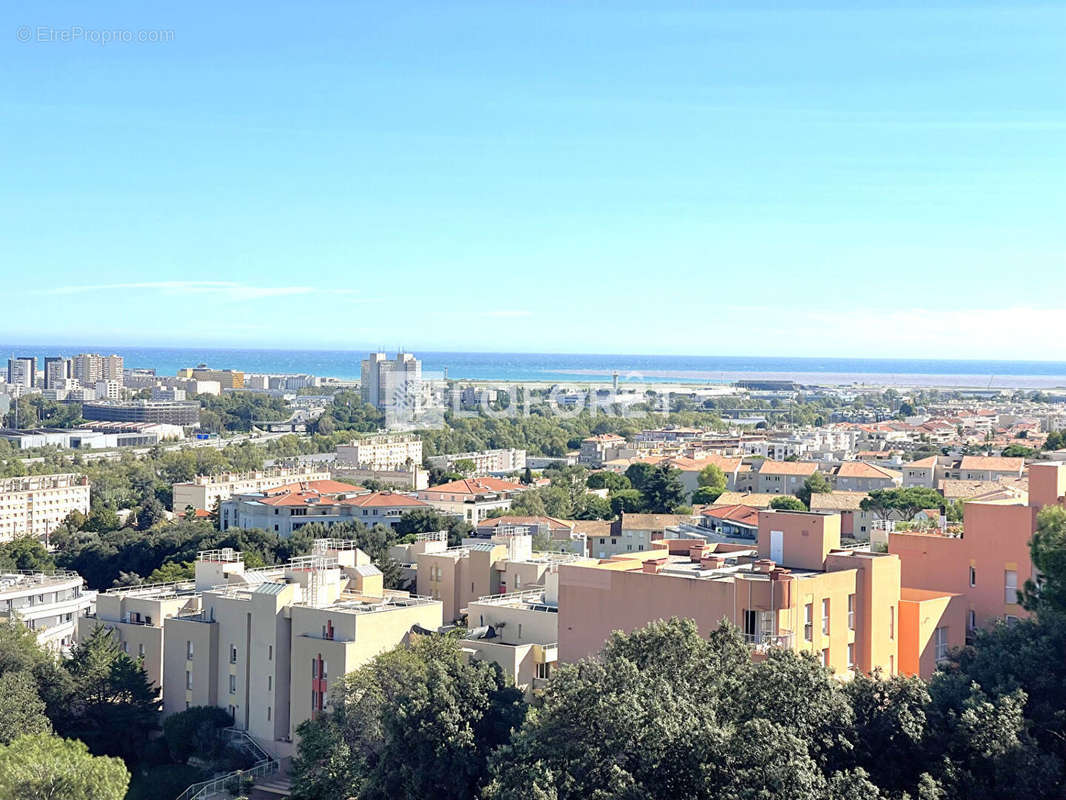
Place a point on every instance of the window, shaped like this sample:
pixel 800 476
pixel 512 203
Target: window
pixel 825 617
pixel 188 679
pixel 188 650
pixel 940 640
pixel 268 713
pixel 270 652
pixel 1010 582
pixel 972 620
pixel 891 665
pixel 233 654
pixel 233 684
pixel 891 622
pixel 808 621
pixel 140 650
pixel 544 670
pixel 825 657
pixel 973 576
pixel 851 612
pixel 270 683
pixel 517 581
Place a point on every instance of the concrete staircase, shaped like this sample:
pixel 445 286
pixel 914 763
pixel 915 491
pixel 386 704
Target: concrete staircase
pixel 271 787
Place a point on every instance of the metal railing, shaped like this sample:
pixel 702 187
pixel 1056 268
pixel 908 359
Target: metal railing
pixel 764 641
pixel 266 765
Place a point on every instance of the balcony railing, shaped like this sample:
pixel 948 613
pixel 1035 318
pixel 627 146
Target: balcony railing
pixel 764 641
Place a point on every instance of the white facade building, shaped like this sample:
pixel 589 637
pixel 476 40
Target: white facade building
pixel 35 505
pixel 382 453
pixel 486 462
pixel 204 491
pixel 48 603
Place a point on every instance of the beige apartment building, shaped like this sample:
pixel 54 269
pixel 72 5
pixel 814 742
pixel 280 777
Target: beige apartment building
pixel 382 453
pixel 458 576
pixel 35 505
pixel 782 477
pixel 519 631
pixel 226 378
pixel 862 476
pixel 264 644
pixel 206 491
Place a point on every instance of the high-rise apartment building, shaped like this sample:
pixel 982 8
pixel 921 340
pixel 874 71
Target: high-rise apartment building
pixel 90 368
pixel 386 382
pixel 22 371
pixel 57 371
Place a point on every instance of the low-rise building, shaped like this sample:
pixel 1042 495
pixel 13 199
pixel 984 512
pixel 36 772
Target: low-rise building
pixel 486 462
pixel 783 477
pixel 288 508
pixel 172 412
pixel 472 499
pixel 692 467
pixel 987 562
pixel 595 450
pixel 731 521
pixel 48 603
pixel 862 476
pixel 35 505
pixel 796 588
pixel 206 491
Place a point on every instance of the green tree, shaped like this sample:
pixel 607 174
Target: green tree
pixel 196 731
pixel 637 473
pixel 415 722
pixel 465 466
pixel 115 702
pixel 626 501
pixel 26 553
pixel 22 711
pixel 44 767
pixel 663 491
pixel 712 477
pixel 611 481
pixel 787 502
pixel 151 513
pixel 1047 549
pixel 816 483
pixel 705 495
pixel 592 506
pixel 905 502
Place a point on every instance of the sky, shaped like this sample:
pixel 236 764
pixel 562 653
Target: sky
pixel 881 179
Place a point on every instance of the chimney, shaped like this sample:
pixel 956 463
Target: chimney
pixel 943 519
pixel 696 552
pixel 712 562
pixel 764 565
pixel 653 565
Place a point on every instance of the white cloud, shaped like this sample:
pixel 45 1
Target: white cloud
pixel 507 313
pixel 228 289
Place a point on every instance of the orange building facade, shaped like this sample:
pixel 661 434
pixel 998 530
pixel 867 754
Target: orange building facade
pixel 797 588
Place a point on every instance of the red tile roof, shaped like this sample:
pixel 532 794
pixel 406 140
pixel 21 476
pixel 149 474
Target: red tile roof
pixel 738 513
pixel 804 468
pixel 996 463
pixel 727 465
pixel 476 486
pixel 383 500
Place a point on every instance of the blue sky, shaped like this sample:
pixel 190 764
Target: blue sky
pixel 835 178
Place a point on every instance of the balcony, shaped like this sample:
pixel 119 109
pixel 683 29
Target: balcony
pixel 761 642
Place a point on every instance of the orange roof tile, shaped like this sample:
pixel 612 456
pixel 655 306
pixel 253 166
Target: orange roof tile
pixel 996 463
pixel 769 467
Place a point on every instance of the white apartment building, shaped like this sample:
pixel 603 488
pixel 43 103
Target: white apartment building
pixel 382 453
pixel 289 508
pixel 35 505
pixel 57 372
pixel 204 491
pixel 109 390
pixel 380 377
pixel 22 372
pixel 48 603
pixel 486 462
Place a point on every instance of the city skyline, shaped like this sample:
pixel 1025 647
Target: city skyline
pixel 817 180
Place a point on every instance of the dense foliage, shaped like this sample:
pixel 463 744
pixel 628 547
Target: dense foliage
pixel 414 723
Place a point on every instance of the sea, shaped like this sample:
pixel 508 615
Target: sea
pixel 560 367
